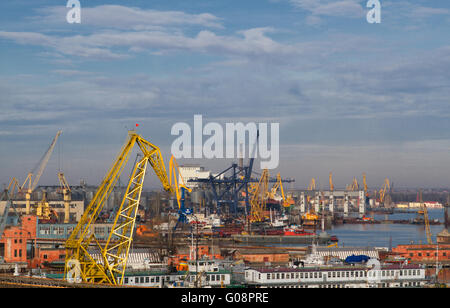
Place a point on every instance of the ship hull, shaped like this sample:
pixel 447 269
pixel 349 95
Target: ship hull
pixel 277 239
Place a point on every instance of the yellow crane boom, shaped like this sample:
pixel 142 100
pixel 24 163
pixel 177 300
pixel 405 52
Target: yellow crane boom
pixel 427 224
pixel 386 186
pixel 286 201
pixel 312 184
pixel 258 198
pixel 114 254
pixel 365 183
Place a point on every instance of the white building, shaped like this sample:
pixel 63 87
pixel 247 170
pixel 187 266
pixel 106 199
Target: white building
pixel 192 172
pixel 388 276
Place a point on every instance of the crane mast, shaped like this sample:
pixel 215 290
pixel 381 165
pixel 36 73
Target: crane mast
pixel 258 198
pixel 114 254
pixel 67 195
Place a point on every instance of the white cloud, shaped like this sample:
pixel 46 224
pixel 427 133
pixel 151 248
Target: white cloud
pixel 128 18
pixel 341 8
pixel 103 45
pixel 413 14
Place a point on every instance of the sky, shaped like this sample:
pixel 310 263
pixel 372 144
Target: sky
pixel 350 96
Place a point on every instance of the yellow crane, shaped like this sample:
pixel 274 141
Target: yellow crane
pixel 354 185
pixel 425 218
pixel 258 198
pixel 311 187
pixel 81 245
pixel 310 215
pixel 286 201
pixel 427 224
pixel 43 207
pixel 365 184
pixel 312 184
pixel 13 185
pixel 386 186
pixel 64 188
pixel 331 181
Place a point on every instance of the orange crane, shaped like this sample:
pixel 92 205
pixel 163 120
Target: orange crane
pixel 386 186
pixel 331 182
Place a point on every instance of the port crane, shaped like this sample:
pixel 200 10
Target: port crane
pixel 354 186
pixel 64 188
pixel 312 184
pixel 424 212
pixel 259 197
pixel 226 189
pixel 365 184
pixel 180 191
pixel 331 182
pixel 8 196
pixel 386 186
pixel 82 245
pixel 286 201
pixel 33 181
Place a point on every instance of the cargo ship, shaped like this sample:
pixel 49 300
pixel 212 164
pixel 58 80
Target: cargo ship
pixel 296 232
pixel 284 236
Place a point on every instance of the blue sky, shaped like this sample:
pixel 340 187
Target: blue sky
pixel 350 97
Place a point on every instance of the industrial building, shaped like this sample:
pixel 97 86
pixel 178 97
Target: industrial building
pixel 336 277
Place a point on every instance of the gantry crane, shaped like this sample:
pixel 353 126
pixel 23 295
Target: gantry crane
pixel 33 181
pixel 82 244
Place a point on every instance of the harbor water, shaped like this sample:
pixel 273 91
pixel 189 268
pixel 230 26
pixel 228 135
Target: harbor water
pixel 384 235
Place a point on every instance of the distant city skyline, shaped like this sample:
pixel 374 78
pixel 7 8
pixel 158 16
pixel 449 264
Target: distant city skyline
pixel 351 97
